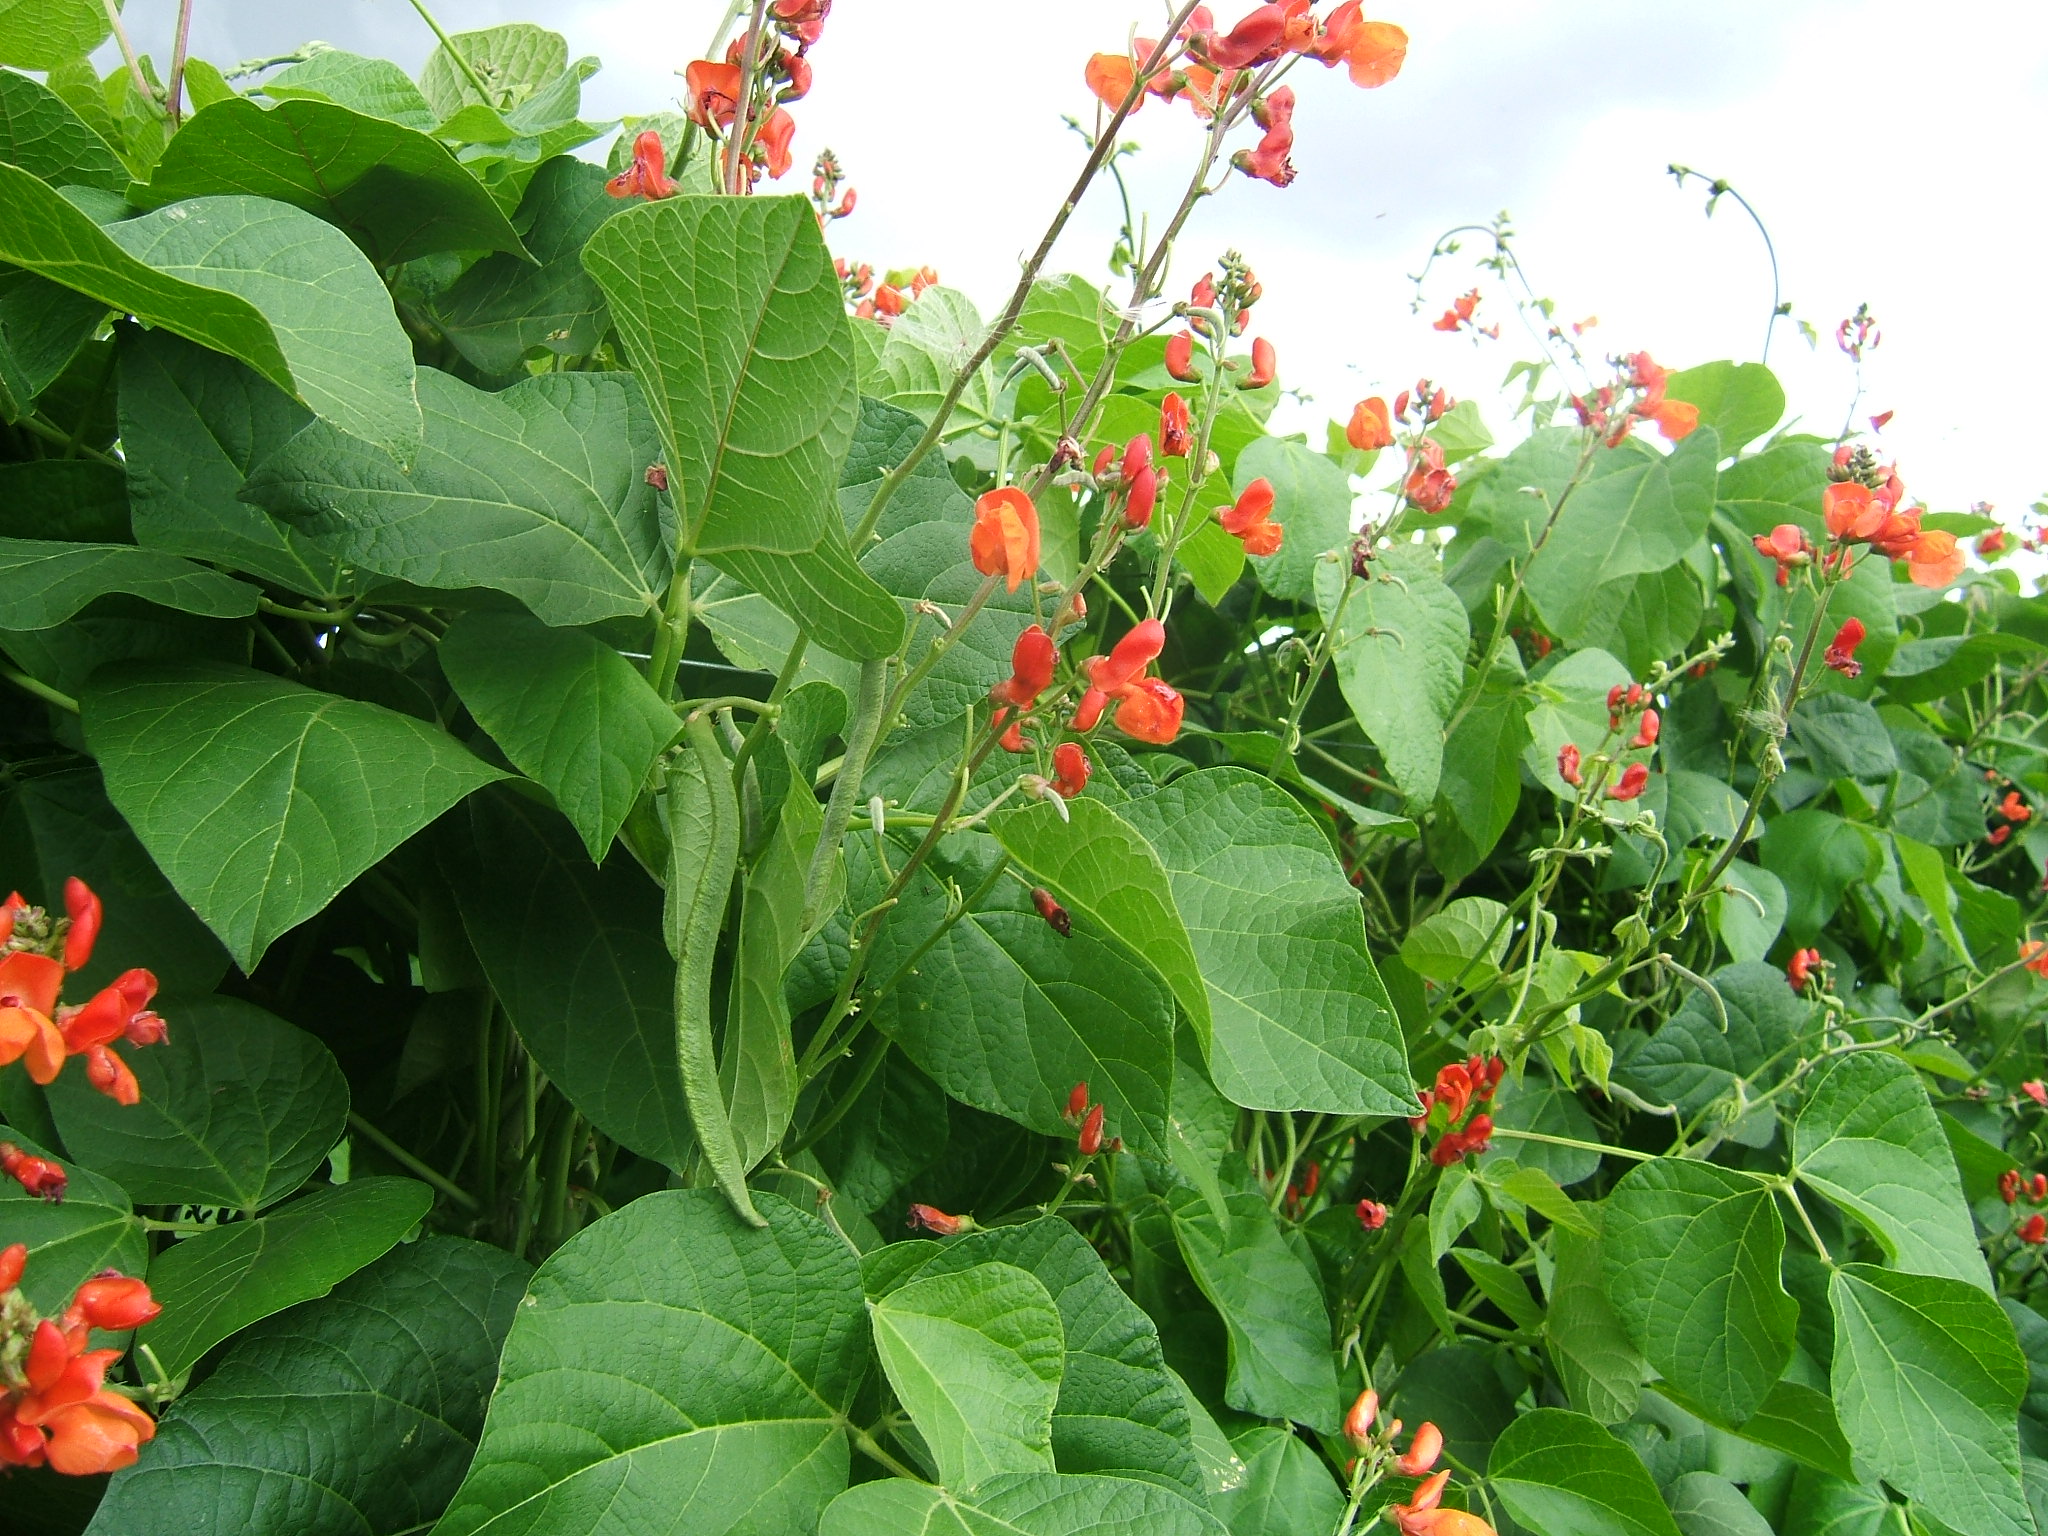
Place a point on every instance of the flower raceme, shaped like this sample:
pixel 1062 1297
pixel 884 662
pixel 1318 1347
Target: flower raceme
pixel 1801 969
pixel 1004 540
pixel 1148 708
pixel 1429 485
pixel 1460 1087
pixel 55 1407
pixel 1858 511
pixel 37 1029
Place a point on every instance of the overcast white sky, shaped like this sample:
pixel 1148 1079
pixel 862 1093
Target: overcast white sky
pixel 1893 148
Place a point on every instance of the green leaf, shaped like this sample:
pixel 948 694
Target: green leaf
pixel 1596 1362
pixel 1561 1474
pixel 1298 1016
pixel 1040 1504
pixel 1285 1490
pixel 1740 401
pixel 1635 512
pixel 975 1358
pixel 575 955
pixel 1795 1419
pixel 539 491
pixel 1399 646
pixel 1844 739
pixel 1271 1303
pixel 217 1283
pixel 93 1229
pixel 513 61
pixel 672 1362
pixel 1690 1253
pixel 1311 502
pixel 194 425
pixel 1868 1139
pixel 238 1109
pixel 260 799
pixel 757 1065
pixel 1694 1058
pixel 1569 705
pixel 374 86
pixel 1818 856
pixel 1838 1506
pixel 1007 1015
pixel 923 352
pixel 258 280
pixel 1704 1504
pixel 41 34
pixel 1481 785
pixel 1458 1388
pixel 1928 1380
pixel 57 825
pixel 1747 909
pixel 734 320
pixel 348 1416
pixel 43 582
pixel 391 189
pixel 1501 1286
pixel 43 136
pixel 1119 1409
pixel 571 713
pixel 1463 942
pixel 42 328
pixel 1453 1206
pixel 506 308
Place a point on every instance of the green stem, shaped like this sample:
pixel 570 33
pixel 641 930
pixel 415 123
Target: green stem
pixel 411 1164
pixel 141 82
pixel 673 633
pixel 40 689
pixel 462 63
pixel 1581 1146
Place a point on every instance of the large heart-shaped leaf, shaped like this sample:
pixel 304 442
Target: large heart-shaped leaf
pixel 1868 1139
pixel 674 1366
pixel 571 713
pixel 540 491
pixel 1119 1408
pixel 1285 1488
pixel 41 34
pixel 506 308
pixel 42 328
pixel 43 582
pixel 262 281
pixel 43 136
pixel 1702 1051
pixel 93 1229
pixel 1044 1504
pixel 575 955
pixel 1271 1302
pixel 238 1108
pixel 261 799
pixel 353 1415
pixel 1928 1379
pixel 975 1356
pixel 1399 646
pixel 395 191
pixel 1006 1014
pixel 1561 1474
pixel 217 1283
pixel 732 315
pixel 1691 1255
pixel 194 424
pixel 1596 1362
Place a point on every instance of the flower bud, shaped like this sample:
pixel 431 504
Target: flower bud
pixel 13 1260
pixel 115 1303
pixel 932 1219
pixel 1358 1422
pixel 1077 1103
pixel 1180 357
pixel 2008 1186
pixel 1090 1139
pixel 84 931
pixel 1568 765
pixel 1422 1453
pixel 1055 915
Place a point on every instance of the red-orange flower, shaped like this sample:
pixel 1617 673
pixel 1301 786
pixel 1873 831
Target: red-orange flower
pixel 646 175
pixel 29 984
pixel 1429 485
pixel 1250 520
pixel 1568 765
pixel 1180 357
pixel 1077 1103
pixel 1089 1141
pixel 1674 418
pixel 1787 545
pixel 14 1259
pixel 1372 1215
pixel 711 93
pixel 1841 651
pixel 1370 427
pixel 1935 560
pixel 1634 779
pixel 1265 365
pixel 1374 51
pixel 37 1175
pixel 1147 707
pixel 1851 511
pixel 1176 434
pixel 1140 498
pixel 1004 541
pixel 1269 160
pixel 1459 313
pixel 1110 76
pixel 112 1303
pixel 1647 730
pixel 772 139
pixel 1031 665
pixel 1150 709
pixel 2034 1229
pixel 1258 39
pixel 1070 769
pixel 932 1219
pixel 85 912
pixel 1422 1452
pixel 1800 969
pixel 2013 808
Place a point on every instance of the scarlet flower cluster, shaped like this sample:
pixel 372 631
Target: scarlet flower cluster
pixel 1861 506
pixel 1088 1119
pixel 36 952
pixel 1208 66
pixel 1301 1191
pixel 1148 708
pixel 1421 1514
pixel 2016 812
pixel 711 89
pixel 2012 1184
pixel 1639 395
pixel 1460 1086
pixel 55 1407
pixel 1459 316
